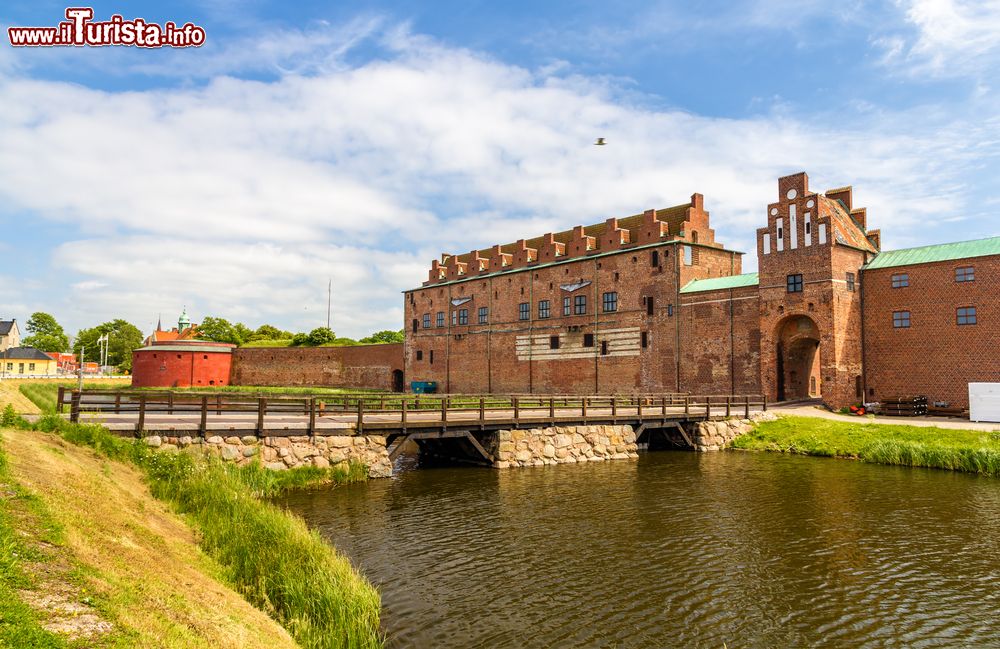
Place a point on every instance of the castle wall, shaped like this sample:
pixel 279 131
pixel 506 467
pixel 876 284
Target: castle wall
pixel 934 356
pixel 360 366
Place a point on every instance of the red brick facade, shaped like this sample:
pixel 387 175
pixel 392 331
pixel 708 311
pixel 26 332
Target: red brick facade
pixel 652 303
pixel 178 364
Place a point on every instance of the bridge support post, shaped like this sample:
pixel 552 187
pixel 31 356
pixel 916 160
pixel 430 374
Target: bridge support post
pixel 203 423
pixel 140 424
pixel 74 407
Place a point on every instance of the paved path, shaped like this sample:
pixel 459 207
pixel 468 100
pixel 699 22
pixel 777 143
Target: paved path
pixel 808 410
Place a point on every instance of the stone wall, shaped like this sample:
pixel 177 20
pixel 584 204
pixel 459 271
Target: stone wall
pixel 563 445
pixel 716 435
pixel 281 453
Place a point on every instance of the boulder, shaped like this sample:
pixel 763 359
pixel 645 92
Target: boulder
pixel 153 441
pixel 230 453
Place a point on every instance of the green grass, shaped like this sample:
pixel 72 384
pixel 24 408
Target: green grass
pixel 897 444
pixel 44 393
pixel 281 342
pixel 268 555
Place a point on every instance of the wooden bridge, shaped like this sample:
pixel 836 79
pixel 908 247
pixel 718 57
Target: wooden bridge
pixel 147 412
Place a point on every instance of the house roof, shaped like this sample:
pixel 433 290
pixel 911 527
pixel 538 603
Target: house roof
pixel 5 327
pixel 25 354
pixel 938 252
pixel 845 229
pixel 719 283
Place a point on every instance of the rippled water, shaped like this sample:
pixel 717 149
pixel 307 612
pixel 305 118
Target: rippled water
pixel 675 549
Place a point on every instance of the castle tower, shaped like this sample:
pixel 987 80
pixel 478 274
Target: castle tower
pixel 809 257
pixel 184 322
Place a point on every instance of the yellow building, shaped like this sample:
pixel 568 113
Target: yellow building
pixel 10 336
pixel 26 361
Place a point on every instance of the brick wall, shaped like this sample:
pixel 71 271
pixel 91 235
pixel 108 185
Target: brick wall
pixel 720 349
pixel 935 356
pixel 361 366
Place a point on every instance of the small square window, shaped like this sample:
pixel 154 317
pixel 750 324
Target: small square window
pixel 524 311
pixel 604 348
pixel 650 305
pixel 850 282
pixel 644 340
pixel 588 340
pixel 610 302
pixel 553 342
pixel 543 309
pixel 432 357
pixel 900 280
pixel 580 305
pixel 794 283
pixel 420 355
pixel 965 274
pixel 484 315
pixel 901 319
pixel 966 315
pixel 670 309
pixel 654 258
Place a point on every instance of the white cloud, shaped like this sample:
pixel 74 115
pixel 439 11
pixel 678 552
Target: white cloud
pixel 239 198
pixel 952 38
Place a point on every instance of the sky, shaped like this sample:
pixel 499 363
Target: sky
pixel 311 142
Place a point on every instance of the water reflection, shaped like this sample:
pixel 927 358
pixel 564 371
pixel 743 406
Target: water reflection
pixel 675 549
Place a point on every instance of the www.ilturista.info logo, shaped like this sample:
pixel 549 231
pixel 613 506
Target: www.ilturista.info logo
pixel 79 30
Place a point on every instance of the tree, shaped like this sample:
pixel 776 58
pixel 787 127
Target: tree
pixel 300 339
pixel 123 338
pixel 221 330
pixel 270 332
pixel 46 334
pixel 321 336
pixel 384 336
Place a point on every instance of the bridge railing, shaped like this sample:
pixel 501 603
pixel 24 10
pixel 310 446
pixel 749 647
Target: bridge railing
pixel 388 411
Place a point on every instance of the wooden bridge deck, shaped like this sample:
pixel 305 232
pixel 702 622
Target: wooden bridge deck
pixel 146 412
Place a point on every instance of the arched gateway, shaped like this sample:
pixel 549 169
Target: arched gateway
pixel 797 358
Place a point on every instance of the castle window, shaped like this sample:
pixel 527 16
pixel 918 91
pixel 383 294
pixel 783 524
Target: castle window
pixel 427 321
pixel 850 282
pixel 794 283
pixel 670 310
pixel 588 340
pixel 644 339
pixel 440 318
pixel 420 355
pixel 553 342
pixel 966 315
pixel 604 348
pixel 484 315
pixel 901 319
pixel 609 302
pixel 649 305
pixel 463 316
pixel 454 318
pixel 543 309
pixel 616 276
pixel 688 258
pixel 566 303
pixel 415 324
pixel 965 274
pixel 580 305
pixel 654 258
pixel 432 357
pixel 901 280
pixel 523 311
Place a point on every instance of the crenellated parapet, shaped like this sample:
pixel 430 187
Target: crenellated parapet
pixel 687 222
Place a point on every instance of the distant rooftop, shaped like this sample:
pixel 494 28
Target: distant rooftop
pixel 718 283
pixel 939 252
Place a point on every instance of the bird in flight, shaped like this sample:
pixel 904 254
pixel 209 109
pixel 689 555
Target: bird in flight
pixel 599 142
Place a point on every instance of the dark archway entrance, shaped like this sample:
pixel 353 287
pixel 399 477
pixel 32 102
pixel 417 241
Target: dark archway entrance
pixel 398 385
pixel 797 361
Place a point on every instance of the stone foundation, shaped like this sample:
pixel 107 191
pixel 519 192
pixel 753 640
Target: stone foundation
pixel 716 435
pixel 281 453
pixel 563 445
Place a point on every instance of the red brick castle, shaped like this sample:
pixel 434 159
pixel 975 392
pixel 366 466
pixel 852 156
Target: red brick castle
pixel 653 303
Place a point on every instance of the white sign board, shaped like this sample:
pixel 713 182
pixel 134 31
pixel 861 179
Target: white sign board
pixel 984 401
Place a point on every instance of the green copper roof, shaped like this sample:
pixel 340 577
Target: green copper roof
pixel 718 283
pixel 939 252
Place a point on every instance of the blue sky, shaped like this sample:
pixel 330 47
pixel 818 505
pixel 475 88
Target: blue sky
pixel 360 140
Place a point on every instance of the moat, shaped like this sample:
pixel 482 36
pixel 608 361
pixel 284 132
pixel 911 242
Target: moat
pixel 675 549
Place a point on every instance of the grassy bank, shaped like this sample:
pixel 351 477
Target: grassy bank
pixel 898 444
pixel 267 555
pixel 43 393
